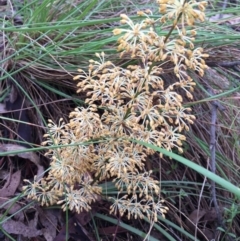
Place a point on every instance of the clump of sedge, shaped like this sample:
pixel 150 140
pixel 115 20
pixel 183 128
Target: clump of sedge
pixel 137 104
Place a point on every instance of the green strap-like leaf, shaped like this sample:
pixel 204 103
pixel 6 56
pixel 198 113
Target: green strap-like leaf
pixel 222 182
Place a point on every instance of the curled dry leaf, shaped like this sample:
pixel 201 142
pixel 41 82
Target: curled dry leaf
pixel 9 190
pixel 6 203
pixel 205 216
pixel 85 217
pixel 192 223
pixel 49 220
pixel 194 217
pixel 18 227
pixel 11 185
pixel 211 214
pixel 33 157
pixel 75 230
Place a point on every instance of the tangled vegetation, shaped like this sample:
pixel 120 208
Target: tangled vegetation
pixel 125 104
pixel 192 190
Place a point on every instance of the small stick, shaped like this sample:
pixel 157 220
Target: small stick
pixel 213 158
pixel 215 106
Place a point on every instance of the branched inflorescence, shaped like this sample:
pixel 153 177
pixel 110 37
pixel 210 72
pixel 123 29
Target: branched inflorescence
pixel 136 102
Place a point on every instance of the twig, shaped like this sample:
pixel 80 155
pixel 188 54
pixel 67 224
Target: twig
pixel 198 209
pixel 213 157
pixel 215 106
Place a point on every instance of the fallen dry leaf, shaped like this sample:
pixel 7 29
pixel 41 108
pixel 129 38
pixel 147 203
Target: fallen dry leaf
pixel 18 227
pixel 206 216
pixel 194 217
pixel 81 234
pixel 84 217
pixel 9 190
pixel 6 203
pixel 11 185
pixel 75 230
pixel 49 221
pixel 211 214
pixel 33 157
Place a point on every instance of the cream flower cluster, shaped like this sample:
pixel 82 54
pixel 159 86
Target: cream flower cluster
pixel 134 101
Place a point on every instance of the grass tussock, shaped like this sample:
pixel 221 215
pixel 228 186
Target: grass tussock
pixel 42 47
